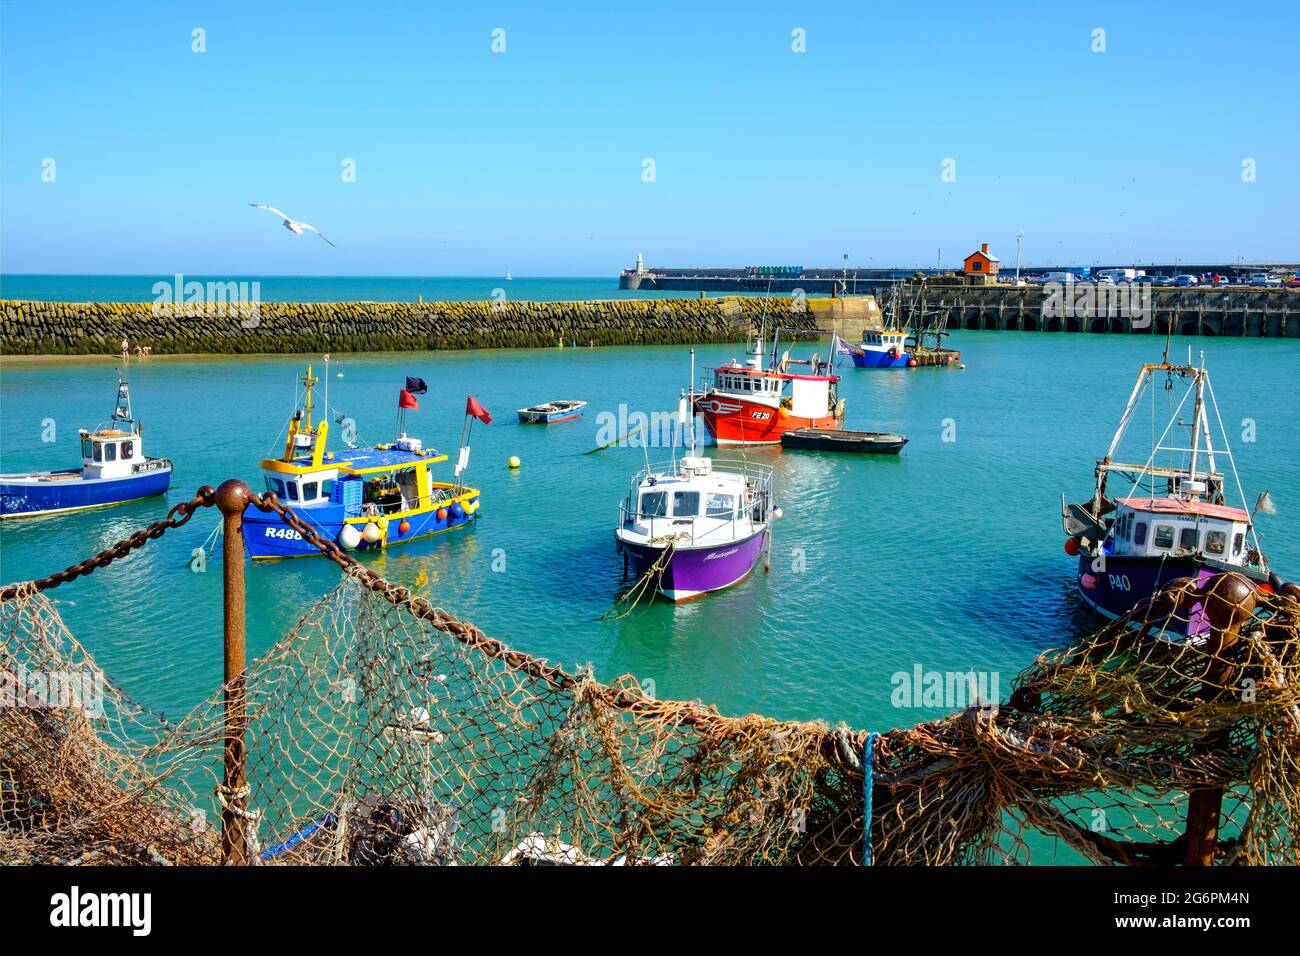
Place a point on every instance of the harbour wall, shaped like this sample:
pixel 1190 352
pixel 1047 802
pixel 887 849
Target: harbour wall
pixel 1239 312
pixel 98 328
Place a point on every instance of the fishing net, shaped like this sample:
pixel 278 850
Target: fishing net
pixel 384 730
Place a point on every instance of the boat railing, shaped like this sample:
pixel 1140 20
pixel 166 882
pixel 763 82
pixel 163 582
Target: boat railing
pixel 752 472
pixel 758 492
pixel 663 528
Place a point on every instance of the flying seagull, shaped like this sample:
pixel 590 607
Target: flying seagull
pixel 293 225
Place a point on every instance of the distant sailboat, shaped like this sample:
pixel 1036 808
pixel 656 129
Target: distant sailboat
pixel 508 275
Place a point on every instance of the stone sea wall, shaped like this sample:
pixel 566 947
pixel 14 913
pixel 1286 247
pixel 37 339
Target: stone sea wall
pixel 97 328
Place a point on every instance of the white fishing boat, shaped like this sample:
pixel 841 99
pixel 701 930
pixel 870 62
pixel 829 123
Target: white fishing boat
pixel 696 525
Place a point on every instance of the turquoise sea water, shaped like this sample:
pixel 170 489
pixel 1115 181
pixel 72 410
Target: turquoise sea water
pixel 948 557
pixel 117 288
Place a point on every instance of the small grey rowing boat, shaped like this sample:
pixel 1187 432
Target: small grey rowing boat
pixel 833 439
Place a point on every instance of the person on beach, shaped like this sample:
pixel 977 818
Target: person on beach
pixel 126 352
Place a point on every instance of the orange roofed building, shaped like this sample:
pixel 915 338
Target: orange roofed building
pixel 980 263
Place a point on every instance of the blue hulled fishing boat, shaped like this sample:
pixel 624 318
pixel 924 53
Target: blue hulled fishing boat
pixel 114 470
pixel 362 498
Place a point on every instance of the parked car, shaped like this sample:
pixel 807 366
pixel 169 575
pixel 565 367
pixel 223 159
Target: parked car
pixel 1222 280
pixel 1047 277
pixel 1186 280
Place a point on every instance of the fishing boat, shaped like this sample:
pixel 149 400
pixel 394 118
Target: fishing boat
pixel 1177 518
pixel 892 345
pixel 363 498
pixel 548 413
pixel 749 404
pixel 882 348
pixel 695 525
pixel 114 470
pixel 844 440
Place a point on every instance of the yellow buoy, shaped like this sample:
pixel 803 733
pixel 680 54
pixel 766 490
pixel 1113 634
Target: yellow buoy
pixel 514 461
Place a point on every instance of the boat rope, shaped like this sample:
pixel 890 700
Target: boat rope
pixel 643 585
pixel 868 788
pixel 210 543
pixel 618 441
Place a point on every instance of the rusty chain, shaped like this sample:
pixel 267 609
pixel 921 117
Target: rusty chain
pixel 179 515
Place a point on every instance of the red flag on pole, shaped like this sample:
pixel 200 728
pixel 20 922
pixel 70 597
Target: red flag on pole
pixel 406 400
pixel 472 407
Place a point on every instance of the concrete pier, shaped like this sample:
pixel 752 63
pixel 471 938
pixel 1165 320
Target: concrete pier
pixel 1240 312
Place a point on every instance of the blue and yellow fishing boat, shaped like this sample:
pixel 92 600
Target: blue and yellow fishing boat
pixel 361 498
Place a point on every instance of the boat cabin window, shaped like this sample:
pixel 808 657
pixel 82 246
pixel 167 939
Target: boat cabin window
pixel 110 451
pixel 99 451
pixel 686 504
pixel 85 448
pixel 719 506
pixel 1237 541
pixel 1187 539
pixel 1140 534
pixel 128 449
pixel 309 490
pixel 1215 542
pixel 275 486
pixel 1164 537
pixel 292 488
pixel 654 504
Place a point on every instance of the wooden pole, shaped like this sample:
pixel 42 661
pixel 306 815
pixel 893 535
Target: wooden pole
pixel 232 498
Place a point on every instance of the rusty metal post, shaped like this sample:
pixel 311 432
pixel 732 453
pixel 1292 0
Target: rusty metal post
pixel 1229 602
pixel 232 498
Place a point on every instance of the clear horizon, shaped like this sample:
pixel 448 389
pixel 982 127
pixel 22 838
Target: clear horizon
pixel 425 144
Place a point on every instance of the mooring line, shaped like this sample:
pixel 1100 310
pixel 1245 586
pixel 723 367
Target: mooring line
pixel 868 786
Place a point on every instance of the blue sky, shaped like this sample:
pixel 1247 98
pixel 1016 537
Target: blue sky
pixel 470 162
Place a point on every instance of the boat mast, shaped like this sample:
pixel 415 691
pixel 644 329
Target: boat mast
pixel 1198 422
pixel 691 406
pixel 307 405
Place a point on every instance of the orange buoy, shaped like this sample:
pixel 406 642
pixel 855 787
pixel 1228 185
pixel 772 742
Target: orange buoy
pixel 404 527
pixel 442 514
pixel 911 363
pixel 1072 546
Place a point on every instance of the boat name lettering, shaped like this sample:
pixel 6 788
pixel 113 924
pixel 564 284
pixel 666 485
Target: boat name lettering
pixel 721 554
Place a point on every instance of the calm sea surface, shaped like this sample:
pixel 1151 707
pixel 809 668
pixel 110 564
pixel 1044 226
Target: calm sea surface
pixel 948 557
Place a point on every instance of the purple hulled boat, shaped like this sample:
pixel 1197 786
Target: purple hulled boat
pixel 1177 520
pixel 695 525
